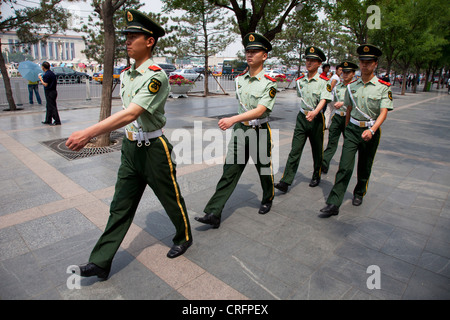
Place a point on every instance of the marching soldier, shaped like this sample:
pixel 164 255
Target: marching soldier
pixel 146 152
pixel 256 94
pixel 337 126
pixel 314 91
pixel 368 101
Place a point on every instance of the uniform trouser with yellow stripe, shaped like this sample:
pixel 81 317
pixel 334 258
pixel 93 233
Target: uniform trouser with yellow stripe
pixel 141 166
pixel 244 143
pixel 337 128
pixel 305 129
pixel 353 143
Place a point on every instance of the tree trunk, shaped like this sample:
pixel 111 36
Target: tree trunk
pixel 206 92
pixel 427 74
pixel 6 81
pixel 108 69
pixel 439 79
pixel 404 81
pixel 206 75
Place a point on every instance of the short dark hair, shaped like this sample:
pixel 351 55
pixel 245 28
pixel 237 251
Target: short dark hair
pixel 46 65
pixel 325 65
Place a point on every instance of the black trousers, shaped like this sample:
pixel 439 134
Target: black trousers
pixel 52 109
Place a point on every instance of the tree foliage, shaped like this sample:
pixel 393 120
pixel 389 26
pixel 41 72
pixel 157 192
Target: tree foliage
pixel 266 17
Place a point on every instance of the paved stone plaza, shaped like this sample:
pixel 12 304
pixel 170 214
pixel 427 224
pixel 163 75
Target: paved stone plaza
pixel 53 210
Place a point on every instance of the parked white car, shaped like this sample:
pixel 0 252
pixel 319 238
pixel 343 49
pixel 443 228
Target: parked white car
pixel 274 73
pixel 189 74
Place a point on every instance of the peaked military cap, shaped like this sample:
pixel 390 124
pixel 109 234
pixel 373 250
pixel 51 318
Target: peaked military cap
pixel 347 66
pixel 138 22
pixel 256 42
pixel 315 53
pixel 368 52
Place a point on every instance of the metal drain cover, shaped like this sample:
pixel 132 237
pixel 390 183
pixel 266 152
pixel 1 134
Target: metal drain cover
pixel 59 146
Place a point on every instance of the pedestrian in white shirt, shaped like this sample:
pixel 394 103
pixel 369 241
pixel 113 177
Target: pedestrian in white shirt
pixel 335 79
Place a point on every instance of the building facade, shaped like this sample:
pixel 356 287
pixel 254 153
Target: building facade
pixel 57 48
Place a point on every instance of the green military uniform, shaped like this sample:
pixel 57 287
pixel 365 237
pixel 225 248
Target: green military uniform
pixel 146 159
pixel 337 126
pixel 311 92
pixel 369 98
pixel 251 92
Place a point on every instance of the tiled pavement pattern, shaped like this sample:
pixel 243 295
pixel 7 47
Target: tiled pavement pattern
pixel 53 210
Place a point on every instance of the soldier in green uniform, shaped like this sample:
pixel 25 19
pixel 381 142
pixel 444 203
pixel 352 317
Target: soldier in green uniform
pixel 146 152
pixel 314 91
pixel 256 94
pixel 337 126
pixel 368 101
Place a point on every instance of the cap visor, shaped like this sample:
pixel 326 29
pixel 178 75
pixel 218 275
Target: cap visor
pixel 124 32
pixel 255 47
pixel 313 56
pixel 368 58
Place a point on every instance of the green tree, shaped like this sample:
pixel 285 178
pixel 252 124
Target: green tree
pixel 106 9
pixel 263 16
pixel 411 33
pixel 352 15
pixel 203 31
pixel 32 24
pixel 299 32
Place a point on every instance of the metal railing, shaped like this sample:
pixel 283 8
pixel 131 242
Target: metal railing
pixel 74 88
pixel 69 88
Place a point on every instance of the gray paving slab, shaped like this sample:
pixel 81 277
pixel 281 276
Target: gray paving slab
pixel 403 225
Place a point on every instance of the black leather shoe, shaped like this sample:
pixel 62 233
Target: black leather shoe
pixel 282 186
pixel 328 211
pixel 209 218
pixel 55 124
pixel 91 269
pixel 314 182
pixel 264 208
pixel 324 169
pixel 357 201
pixel 178 249
pixel 43 122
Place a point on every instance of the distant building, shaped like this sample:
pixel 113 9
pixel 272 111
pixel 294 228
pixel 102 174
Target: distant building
pixel 58 48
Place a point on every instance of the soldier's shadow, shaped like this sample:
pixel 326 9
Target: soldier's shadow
pixel 241 197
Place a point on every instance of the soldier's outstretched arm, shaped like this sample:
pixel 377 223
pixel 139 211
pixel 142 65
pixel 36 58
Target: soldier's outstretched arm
pixel 79 139
pixel 226 123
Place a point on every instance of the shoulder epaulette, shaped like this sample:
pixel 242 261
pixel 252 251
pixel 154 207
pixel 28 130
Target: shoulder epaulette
pixel 300 77
pixel 384 82
pixel 155 68
pixel 324 78
pixel 270 78
pixel 241 74
pixel 353 81
pixel 125 69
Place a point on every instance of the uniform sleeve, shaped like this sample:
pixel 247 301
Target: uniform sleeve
pixel 153 93
pixel 268 97
pixel 325 92
pixel 347 99
pixel 386 99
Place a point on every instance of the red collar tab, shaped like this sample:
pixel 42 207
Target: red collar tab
pixel 384 82
pixel 270 78
pixel 155 68
pixel 125 69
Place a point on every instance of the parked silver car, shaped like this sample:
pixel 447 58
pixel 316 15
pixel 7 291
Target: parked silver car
pixel 189 74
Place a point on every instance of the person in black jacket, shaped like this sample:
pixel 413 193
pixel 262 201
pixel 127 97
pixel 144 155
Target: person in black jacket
pixel 49 81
